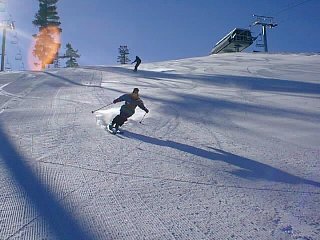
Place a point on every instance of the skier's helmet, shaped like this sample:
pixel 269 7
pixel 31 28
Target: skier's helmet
pixel 135 93
pixel 135 90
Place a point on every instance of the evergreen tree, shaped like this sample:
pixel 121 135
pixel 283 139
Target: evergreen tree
pixel 72 55
pixel 47 41
pixel 47 14
pixel 124 52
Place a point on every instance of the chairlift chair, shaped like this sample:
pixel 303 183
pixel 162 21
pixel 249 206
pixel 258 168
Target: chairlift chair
pixel 18 57
pixel 22 67
pixel 14 39
pixel 8 67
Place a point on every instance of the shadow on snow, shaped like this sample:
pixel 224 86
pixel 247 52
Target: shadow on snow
pixel 253 83
pixel 60 221
pixel 210 103
pixel 251 169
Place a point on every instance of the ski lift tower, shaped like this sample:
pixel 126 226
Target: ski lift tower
pixel 265 22
pixel 4 25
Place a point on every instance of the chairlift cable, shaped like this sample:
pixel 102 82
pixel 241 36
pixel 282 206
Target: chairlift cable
pixel 289 7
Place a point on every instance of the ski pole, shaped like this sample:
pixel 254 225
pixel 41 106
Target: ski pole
pixel 101 107
pixel 143 117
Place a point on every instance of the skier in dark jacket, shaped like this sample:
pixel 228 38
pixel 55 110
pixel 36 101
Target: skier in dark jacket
pixel 137 61
pixel 132 100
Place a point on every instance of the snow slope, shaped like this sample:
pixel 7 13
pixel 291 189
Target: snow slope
pixel 229 150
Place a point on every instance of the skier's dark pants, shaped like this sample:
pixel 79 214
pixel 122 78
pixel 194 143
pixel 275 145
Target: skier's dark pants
pixel 136 66
pixel 125 113
pixel 120 119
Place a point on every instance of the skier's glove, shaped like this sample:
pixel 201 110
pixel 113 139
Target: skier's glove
pixel 115 101
pixel 147 110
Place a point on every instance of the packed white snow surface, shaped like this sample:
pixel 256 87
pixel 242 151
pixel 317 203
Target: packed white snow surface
pixel 229 150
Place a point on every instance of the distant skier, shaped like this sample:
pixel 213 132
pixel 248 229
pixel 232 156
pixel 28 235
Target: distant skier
pixel 137 61
pixel 132 100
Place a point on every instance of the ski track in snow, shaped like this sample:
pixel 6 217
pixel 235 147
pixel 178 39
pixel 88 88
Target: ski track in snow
pixel 229 150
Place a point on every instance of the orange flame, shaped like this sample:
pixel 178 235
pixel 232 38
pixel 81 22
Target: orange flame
pixel 44 48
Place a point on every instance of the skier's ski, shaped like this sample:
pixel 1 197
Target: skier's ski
pixel 113 130
pixel 110 130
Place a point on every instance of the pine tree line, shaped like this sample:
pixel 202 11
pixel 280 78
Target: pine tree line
pixel 47 40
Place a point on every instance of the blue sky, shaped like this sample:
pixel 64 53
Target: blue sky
pixel 158 30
